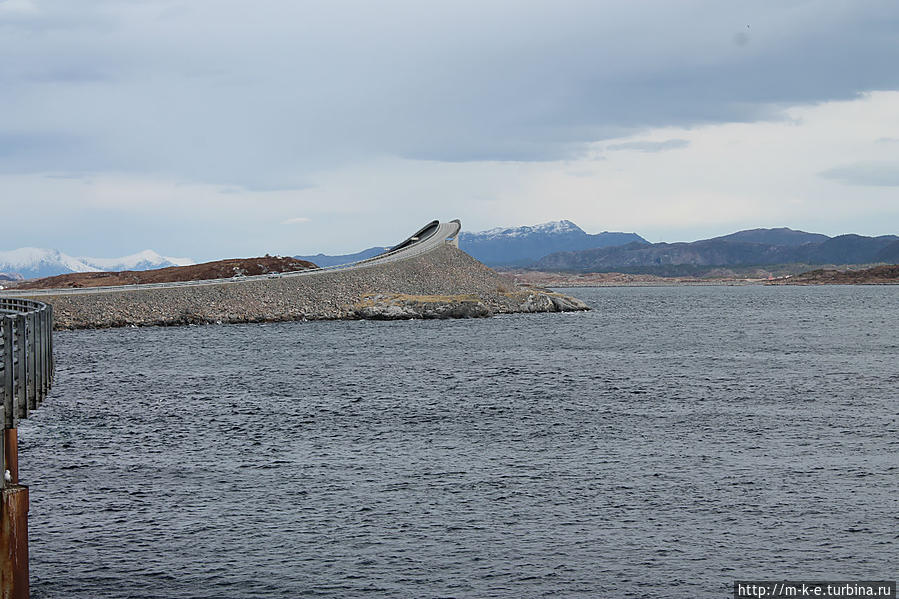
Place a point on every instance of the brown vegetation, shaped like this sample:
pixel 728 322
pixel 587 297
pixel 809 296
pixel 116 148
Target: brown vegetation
pixel 220 269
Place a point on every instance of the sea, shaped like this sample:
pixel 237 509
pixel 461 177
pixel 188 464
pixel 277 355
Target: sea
pixel 665 444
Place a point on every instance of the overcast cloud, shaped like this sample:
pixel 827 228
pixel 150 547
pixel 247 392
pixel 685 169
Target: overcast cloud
pixel 650 146
pixel 866 173
pixel 198 127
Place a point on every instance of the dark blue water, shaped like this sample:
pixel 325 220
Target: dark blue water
pixel 663 445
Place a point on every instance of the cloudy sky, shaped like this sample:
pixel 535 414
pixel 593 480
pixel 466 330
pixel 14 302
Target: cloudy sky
pixel 214 128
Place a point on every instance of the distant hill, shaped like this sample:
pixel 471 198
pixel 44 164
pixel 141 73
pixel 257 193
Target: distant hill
pixel 35 263
pixel 324 260
pixel 889 254
pixel 779 236
pixel 773 246
pixel 523 245
pixel 845 249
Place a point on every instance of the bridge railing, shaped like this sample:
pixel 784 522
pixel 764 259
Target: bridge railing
pixel 26 372
pixel 26 358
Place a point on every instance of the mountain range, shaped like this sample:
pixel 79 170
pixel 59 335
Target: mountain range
pixel 520 246
pixel 563 246
pixel 553 246
pixel 510 246
pixel 756 247
pixel 34 263
pixel 325 260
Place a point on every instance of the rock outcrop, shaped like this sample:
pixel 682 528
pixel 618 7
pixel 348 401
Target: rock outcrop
pixel 543 301
pixel 401 307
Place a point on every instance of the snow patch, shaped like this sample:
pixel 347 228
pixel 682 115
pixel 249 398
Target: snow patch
pixel 558 227
pixel 144 260
pixel 33 262
pixel 29 258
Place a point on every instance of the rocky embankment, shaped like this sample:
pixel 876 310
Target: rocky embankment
pixel 444 283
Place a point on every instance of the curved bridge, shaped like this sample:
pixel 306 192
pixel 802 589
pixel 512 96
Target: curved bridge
pixel 431 236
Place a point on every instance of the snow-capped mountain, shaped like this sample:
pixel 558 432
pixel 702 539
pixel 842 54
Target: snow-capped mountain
pixel 557 227
pixel 34 263
pixel 145 260
pixel 519 246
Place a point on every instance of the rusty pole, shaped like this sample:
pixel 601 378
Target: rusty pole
pixel 13 525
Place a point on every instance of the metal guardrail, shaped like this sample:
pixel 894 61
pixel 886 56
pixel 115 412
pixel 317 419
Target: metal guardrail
pixel 26 373
pixel 432 241
pixel 26 357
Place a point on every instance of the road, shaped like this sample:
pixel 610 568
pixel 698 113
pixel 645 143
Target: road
pixel 431 236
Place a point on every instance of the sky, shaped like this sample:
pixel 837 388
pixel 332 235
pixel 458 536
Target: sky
pixel 216 128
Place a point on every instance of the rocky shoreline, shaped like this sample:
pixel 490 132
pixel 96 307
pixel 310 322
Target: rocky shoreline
pixel 444 283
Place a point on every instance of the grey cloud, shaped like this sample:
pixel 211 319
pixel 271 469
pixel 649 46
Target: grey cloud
pixel 880 174
pixel 71 74
pixel 23 149
pixel 68 176
pixel 201 90
pixel 650 146
pixel 263 186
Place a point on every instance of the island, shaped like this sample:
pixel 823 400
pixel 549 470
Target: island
pixel 444 282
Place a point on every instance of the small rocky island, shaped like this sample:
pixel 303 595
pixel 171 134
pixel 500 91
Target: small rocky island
pixel 443 283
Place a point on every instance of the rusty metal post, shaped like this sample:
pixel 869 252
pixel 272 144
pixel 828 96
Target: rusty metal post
pixel 14 543
pixel 14 582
